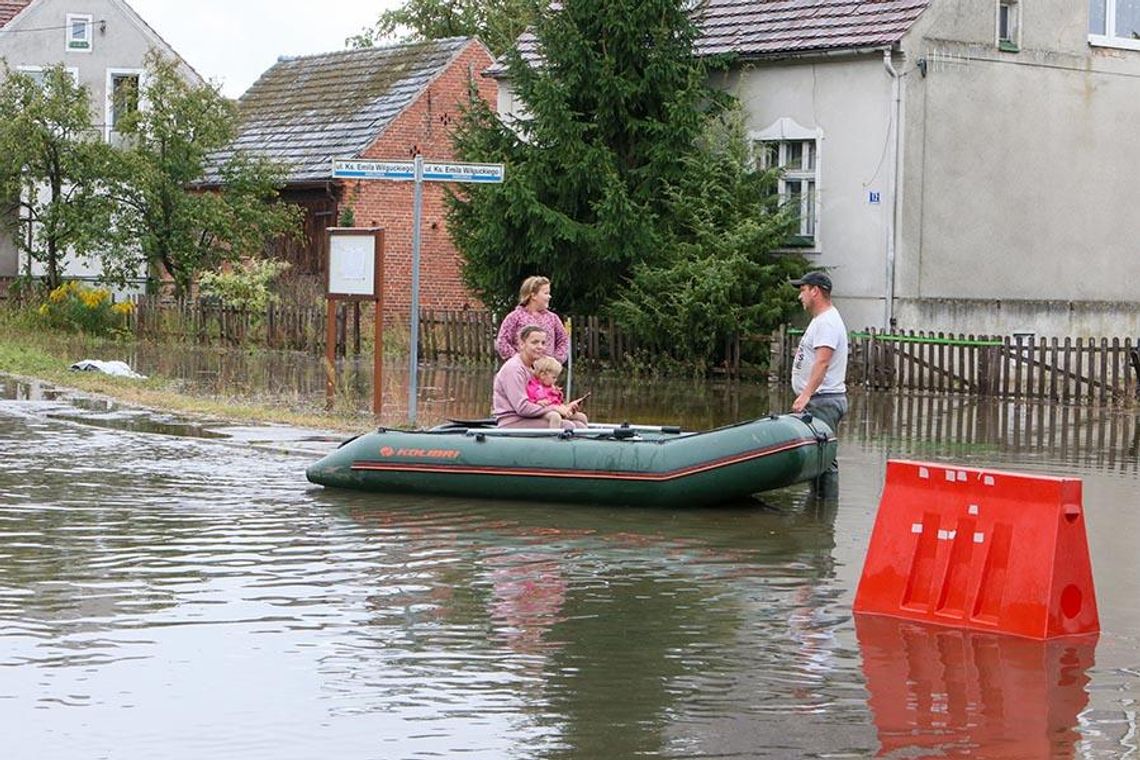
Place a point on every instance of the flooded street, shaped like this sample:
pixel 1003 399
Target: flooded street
pixel 178 591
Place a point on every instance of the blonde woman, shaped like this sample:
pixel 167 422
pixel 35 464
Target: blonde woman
pixel 533 309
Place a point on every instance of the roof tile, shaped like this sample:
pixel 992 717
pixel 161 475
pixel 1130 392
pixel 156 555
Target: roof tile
pixel 9 9
pixel 759 28
pixel 308 110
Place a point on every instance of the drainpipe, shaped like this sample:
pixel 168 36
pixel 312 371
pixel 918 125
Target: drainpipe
pixel 895 185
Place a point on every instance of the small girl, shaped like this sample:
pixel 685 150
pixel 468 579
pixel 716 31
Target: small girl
pixel 541 388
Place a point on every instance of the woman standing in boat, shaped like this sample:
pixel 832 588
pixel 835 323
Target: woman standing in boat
pixel 509 401
pixel 533 309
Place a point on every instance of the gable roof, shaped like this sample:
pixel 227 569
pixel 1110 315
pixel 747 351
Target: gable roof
pixel 10 8
pixel 308 110
pixel 775 28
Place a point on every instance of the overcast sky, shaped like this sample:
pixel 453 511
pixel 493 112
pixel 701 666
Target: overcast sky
pixel 231 42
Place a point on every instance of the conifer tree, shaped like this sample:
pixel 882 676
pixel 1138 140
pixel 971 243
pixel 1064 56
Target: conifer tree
pixel 615 103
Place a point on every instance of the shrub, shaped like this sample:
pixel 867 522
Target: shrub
pixel 245 286
pixel 76 307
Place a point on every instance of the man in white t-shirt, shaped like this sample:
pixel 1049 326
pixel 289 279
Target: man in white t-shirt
pixel 819 371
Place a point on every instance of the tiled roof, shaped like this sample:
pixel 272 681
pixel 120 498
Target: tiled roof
pixel 9 9
pixel 308 110
pixel 774 27
pixel 771 28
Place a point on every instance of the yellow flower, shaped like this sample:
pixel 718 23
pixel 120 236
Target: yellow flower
pixel 123 307
pixel 43 310
pixel 59 294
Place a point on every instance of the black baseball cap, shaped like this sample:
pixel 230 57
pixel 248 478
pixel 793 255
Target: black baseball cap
pixel 819 279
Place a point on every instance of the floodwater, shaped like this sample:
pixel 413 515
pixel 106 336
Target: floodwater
pixel 174 590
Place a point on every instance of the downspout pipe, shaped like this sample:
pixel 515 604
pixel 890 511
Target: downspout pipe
pixel 895 184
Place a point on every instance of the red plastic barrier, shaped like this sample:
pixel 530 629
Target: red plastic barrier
pixel 993 551
pixel 944 692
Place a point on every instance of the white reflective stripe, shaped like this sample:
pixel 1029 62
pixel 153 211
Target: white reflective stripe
pixel 950 475
pixel 973 510
pixel 988 480
pixel 979 538
pixel 916 528
pixel 923 473
pixel 962 475
pixel 943 535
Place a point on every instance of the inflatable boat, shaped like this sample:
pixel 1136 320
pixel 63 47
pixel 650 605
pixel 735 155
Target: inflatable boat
pixel 602 464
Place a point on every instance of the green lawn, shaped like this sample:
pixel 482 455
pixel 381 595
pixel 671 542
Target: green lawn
pixel 28 350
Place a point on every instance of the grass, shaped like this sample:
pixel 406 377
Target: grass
pixel 28 351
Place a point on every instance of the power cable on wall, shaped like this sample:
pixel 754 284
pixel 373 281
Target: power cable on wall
pixel 101 22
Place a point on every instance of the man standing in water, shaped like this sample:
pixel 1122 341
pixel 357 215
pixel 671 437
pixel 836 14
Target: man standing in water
pixel 819 371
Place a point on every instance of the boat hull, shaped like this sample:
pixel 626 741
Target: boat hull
pixel 632 467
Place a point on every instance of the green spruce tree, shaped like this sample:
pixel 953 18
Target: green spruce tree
pixel 614 105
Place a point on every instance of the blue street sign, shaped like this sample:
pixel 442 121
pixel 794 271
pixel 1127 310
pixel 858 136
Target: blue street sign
pixel 365 169
pixel 434 171
pixel 455 172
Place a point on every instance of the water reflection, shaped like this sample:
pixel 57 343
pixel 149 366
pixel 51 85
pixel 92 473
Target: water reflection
pixel 624 632
pixel 976 431
pixel 945 692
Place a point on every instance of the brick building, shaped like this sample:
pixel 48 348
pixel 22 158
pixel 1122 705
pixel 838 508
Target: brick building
pixel 383 103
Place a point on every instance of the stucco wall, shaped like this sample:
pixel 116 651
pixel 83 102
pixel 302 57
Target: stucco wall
pixel 1021 174
pixel 848 100
pixel 119 41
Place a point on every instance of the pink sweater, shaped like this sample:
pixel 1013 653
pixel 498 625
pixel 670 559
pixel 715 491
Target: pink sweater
pixel 509 402
pixel 557 342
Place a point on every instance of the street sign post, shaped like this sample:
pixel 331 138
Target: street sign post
pixel 417 171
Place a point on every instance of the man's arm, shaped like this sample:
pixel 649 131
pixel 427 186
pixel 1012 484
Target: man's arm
pixel 823 356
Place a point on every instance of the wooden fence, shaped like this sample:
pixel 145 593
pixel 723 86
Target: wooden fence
pixel 458 336
pixel 1085 370
pixel 299 328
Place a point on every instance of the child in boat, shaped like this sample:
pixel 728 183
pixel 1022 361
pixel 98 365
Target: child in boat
pixel 541 388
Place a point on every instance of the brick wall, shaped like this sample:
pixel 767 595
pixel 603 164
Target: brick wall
pixel 424 127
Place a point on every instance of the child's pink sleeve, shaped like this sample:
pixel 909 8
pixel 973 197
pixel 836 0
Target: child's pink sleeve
pixel 534 390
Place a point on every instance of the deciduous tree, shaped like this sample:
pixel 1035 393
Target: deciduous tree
pixel 496 22
pixel 52 168
pixel 164 217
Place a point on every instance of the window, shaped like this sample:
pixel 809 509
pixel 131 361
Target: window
pixel 1115 23
pixel 122 97
pixel 794 150
pixel 38 74
pixel 1008 26
pixel 79 32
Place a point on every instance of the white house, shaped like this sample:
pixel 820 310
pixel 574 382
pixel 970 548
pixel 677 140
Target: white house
pixel 960 165
pixel 104 44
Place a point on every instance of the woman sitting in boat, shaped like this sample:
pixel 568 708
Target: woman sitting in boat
pixel 510 404
pixel 534 300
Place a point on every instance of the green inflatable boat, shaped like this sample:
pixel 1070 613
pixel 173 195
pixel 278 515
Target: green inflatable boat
pixel 601 464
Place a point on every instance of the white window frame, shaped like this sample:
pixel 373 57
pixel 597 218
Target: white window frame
pixel 1012 42
pixel 89 38
pixel 40 69
pixel 1109 38
pixel 109 100
pixel 783 132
